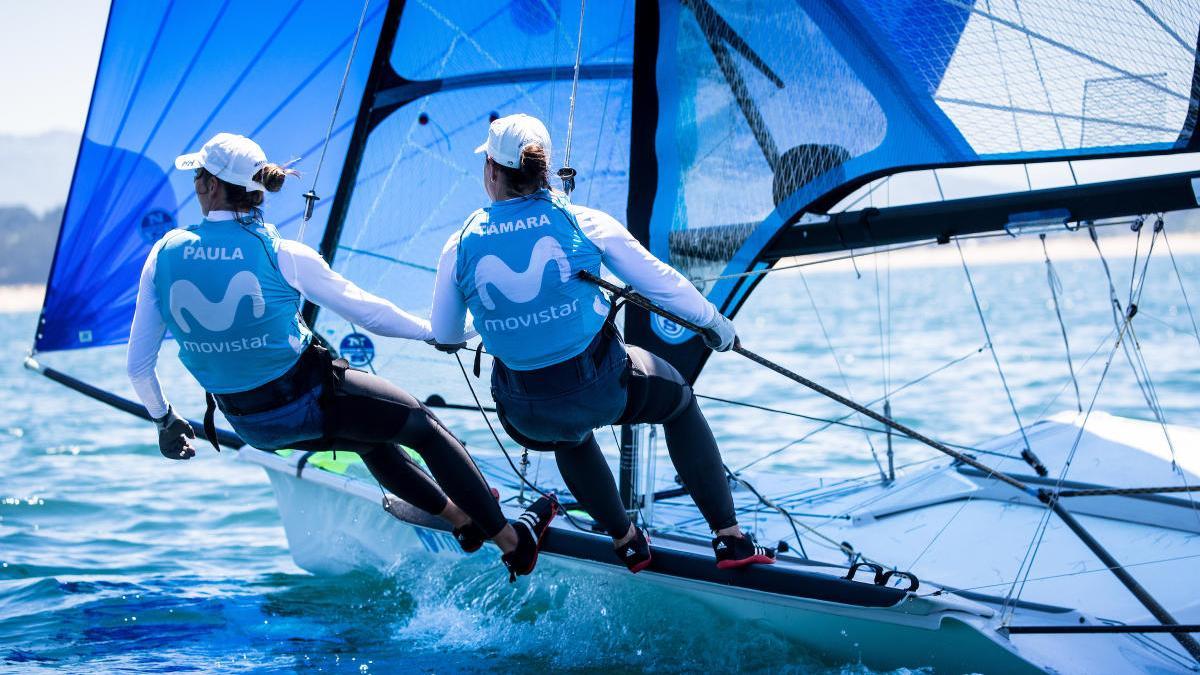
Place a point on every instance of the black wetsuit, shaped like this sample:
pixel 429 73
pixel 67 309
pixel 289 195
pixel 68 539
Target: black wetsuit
pixel 654 393
pixel 366 414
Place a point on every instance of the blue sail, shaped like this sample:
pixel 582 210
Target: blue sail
pixel 766 112
pixel 170 76
pixel 707 125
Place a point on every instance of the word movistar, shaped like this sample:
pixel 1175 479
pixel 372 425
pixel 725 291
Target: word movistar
pixel 533 318
pixel 226 346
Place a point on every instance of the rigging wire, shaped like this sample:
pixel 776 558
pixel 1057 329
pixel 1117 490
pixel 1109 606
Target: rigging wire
pixel 310 197
pixel 1030 457
pixel 885 351
pixel 1179 278
pixel 1141 369
pixel 566 173
pixel 897 390
pixel 1117 313
pixel 1015 591
pixel 504 449
pixel 1041 415
pixel 1064 575
pixel 1031 551
pixel 1055 284
pixel 842 374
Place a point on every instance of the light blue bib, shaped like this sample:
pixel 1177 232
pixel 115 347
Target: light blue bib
pixel 236 319
pixel 517 261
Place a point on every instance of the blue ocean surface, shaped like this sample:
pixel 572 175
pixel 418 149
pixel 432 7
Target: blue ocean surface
pixel 113 559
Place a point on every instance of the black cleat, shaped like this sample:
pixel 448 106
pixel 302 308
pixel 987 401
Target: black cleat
pixel 635 553
pixel 531 527
pixel 734 552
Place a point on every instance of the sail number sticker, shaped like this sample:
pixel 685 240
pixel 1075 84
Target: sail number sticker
pixel 357 349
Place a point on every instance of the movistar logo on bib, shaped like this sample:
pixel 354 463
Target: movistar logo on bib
pixel 516 270
pixel 235 317
pixel 520 286
pixel 218 317
pixel 525 286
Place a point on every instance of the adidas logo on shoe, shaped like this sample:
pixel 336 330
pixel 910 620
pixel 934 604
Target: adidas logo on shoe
pixel 636 555
pixel 734 551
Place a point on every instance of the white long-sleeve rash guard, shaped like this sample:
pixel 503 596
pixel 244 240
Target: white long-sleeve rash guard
pixel 304 270
pixel 623 255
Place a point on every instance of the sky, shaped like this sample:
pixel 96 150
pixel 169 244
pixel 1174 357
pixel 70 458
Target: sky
pixel 50 49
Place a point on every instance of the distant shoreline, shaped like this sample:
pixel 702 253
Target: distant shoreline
pixel 21 298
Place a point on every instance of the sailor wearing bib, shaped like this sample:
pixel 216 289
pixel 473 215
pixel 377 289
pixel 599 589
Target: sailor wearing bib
pixel 561 368
pixel 230 290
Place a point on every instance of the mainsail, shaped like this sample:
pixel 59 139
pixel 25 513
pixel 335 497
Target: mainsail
pixel 170 76
pixel 713 130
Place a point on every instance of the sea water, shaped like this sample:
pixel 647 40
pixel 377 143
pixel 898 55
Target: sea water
pixel 114 559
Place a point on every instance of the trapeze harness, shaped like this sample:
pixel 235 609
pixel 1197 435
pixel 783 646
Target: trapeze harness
pixel 561 368
pixel 256 358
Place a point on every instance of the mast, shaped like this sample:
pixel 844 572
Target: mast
pixel 643 183
pixel 381 71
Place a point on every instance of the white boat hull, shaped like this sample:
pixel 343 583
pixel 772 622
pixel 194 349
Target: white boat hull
pixel 336 523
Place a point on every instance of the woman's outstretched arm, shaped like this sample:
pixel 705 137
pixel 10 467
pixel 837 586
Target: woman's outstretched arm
pixel 307 272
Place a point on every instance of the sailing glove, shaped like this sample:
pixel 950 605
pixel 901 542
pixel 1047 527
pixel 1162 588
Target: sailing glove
pixel 173 435
pixel 447 347
pixel 452 347
pixel 719 334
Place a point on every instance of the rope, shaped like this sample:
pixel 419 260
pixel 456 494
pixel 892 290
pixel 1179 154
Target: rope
pixel 1055 288
pixel 566 173
pixel 1028 454
pixel 1141 369
pixel 1127 492
pixel 310 197
pixel 842 546
pixel 1014 591
pixel 487 420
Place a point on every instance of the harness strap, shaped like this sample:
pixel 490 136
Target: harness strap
pixel 615 303
pixel 210 423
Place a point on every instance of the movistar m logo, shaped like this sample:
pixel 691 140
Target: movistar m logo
pixel 215 316
pixel 522 286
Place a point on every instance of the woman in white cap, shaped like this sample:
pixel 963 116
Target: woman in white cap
pixel 561 369
pixel 230 290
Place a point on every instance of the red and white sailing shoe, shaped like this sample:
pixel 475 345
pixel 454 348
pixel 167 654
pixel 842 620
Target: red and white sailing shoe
pixel 734 552
pixel 636 552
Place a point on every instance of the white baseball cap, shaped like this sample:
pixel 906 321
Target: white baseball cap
pixel 509 135
pixel 232 158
